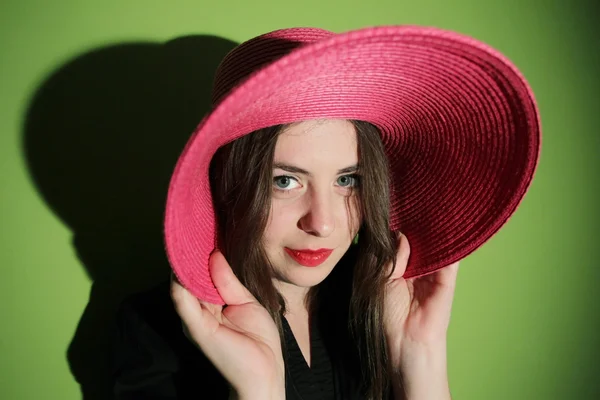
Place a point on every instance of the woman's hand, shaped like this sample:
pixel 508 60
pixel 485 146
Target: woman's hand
pixel 240 339
pixel 416 320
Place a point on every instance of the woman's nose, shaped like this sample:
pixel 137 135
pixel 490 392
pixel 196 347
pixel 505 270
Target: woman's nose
pixel 319 219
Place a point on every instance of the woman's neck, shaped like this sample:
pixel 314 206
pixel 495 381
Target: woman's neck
pixel 294 296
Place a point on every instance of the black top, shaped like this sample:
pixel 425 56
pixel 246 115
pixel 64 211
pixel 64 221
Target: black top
pixel 153 359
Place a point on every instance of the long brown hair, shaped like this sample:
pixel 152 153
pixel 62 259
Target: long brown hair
pixel 241 183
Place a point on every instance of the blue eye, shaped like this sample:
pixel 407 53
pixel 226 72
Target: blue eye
pixel 284 182
pixel 348 180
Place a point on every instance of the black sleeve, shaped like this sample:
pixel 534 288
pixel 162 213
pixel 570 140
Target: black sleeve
pixel 153 360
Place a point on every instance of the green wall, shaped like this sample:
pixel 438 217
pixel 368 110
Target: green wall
pixel 95 108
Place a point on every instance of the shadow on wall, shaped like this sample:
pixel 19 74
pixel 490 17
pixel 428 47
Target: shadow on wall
pixel 101 138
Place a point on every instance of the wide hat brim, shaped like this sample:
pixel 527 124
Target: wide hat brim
pixel 458 121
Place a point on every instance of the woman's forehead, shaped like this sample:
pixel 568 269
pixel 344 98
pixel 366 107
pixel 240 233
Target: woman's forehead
pixel 322 142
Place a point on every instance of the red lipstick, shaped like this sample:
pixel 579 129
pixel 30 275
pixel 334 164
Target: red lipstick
pixel 309 258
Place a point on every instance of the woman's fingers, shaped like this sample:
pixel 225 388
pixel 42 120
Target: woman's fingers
pixel 402 256
pixel 230 288
pixel 447 275
pixel 240 340
pixel 202 327
pixel 199 322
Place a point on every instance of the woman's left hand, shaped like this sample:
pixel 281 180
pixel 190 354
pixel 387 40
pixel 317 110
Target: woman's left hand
pixel 416 317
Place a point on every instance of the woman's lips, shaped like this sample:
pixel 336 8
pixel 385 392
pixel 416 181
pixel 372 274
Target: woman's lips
pixel 309 258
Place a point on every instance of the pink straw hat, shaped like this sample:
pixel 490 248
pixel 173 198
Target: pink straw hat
pixel 458 121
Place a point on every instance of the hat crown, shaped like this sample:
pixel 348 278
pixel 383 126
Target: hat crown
pixel 250 56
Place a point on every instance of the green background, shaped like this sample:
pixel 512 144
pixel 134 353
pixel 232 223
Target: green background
pixel 77 225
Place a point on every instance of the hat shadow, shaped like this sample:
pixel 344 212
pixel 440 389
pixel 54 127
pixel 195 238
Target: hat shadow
pixel 101 137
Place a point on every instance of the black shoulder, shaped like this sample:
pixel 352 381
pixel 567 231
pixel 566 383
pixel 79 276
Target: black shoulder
pixel 152 358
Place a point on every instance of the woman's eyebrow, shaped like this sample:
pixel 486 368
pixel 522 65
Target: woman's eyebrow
pixel 298 170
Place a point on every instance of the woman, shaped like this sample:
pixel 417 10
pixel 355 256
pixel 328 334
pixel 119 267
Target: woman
pixel 285 210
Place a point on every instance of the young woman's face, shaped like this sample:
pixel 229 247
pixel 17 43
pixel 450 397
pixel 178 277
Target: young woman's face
pixel 313 207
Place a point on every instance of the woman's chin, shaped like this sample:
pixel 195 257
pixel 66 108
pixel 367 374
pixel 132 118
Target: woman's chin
pixel 308 276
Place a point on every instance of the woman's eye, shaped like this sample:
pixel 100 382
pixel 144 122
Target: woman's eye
pixel 348 181
pixel 284 182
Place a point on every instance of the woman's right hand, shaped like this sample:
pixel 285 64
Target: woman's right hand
pixel 241 339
